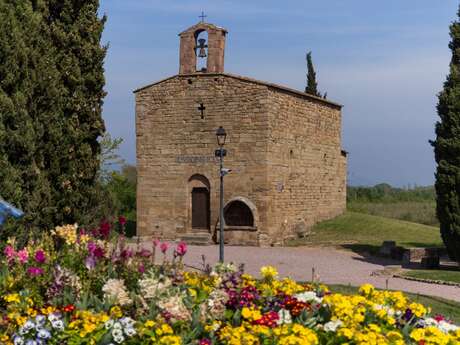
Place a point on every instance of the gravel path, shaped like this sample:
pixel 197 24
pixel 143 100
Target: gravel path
pixel 333 266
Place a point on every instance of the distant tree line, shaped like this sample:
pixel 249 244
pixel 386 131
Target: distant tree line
pixel 386 193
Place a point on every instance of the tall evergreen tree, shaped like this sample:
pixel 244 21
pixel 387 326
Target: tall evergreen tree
pixel 447 151
pixel 76 30
pixel 28 90
pixel 312 85
pixel 51 92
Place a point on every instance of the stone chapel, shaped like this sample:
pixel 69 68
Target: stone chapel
pixel 284 149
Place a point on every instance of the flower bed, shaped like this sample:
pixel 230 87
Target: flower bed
pixel 88 287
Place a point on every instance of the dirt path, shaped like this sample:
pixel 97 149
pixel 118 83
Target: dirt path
pixel 332 265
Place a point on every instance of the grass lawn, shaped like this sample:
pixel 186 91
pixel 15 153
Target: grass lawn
pixel 423 212
pixel 447 308
pixel 359 231
pixel 444 275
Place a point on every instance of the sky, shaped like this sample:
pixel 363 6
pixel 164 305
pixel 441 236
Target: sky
pixel 385 61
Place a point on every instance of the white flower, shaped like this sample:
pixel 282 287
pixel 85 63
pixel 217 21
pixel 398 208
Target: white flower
pixel 447 327
pixel 53 317
pixel 130 331
pixel 332 326
pixel 115 289
pixel 127 322
pixel 152 287
pixel 108 324
pixel 28 325
pixel 31 342
pixel 119 339
pixel 40 320
pixel 58 324
pixel 117 326
pixel 43 334
pixel 18 340
pixel 308 296
pixel 284 316
pixel 117 334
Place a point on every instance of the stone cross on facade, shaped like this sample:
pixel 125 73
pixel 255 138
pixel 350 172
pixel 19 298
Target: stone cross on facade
pixel 202 108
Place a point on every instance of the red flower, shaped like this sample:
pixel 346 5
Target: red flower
pixel 69 308
pixel 104 229
pixel 122 220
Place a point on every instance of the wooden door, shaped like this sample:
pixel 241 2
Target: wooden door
pixel 200 208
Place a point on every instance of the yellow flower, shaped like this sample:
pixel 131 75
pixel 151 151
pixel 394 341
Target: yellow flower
pixel 67 233
pixel 251 314
pixel 116 312
pixel 171 340
pixel 12 298
pixel 345 332
pixel 269 272
pixel 366 289
pixel 164 329
pixel 149 323
pixel 418 309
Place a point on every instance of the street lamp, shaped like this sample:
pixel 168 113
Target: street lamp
pixel 221 153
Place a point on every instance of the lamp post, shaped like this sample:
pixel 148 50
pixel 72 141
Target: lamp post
pixel 221 153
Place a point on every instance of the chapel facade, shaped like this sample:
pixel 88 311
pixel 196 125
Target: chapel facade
pixel 284 149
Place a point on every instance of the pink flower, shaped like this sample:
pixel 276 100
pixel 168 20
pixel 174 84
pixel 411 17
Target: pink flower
pixel 164 247
pixel 156 242
pixel 122 220
pixel 145 253
pixel 34 271
pixel 40 256
pixel 141 268
pixel 181 249
pixel 23 256
pixel 9 252
pixel 205 341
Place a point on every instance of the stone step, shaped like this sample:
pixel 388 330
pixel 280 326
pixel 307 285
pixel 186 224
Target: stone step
pixel 197 238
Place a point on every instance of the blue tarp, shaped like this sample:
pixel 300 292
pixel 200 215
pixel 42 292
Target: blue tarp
pixel 8 210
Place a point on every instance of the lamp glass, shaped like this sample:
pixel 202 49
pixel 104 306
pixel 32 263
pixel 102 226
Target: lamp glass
pixel 221 136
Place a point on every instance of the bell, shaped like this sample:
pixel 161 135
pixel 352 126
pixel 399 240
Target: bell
pixel 202 46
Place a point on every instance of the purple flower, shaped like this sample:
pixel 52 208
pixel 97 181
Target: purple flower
pixel 40 256
pixel 90 262
pixel 34 271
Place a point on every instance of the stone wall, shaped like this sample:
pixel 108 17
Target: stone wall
pixel 174 143
pixel 284 149
pixel 307 172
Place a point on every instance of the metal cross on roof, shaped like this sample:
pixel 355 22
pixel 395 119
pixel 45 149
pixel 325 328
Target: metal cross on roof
pixel 202 16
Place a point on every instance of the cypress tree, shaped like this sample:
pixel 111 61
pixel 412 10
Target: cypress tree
pixel 51 96
pixel 28 89
pixel 312 85
pixel 447 151
pixel 76 30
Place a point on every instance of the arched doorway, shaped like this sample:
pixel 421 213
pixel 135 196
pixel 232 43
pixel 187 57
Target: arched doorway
pixel 200 202
pixel 237 213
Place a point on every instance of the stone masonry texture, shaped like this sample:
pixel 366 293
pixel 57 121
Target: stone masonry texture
pixel 284 149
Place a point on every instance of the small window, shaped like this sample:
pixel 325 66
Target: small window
pixel 237 213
